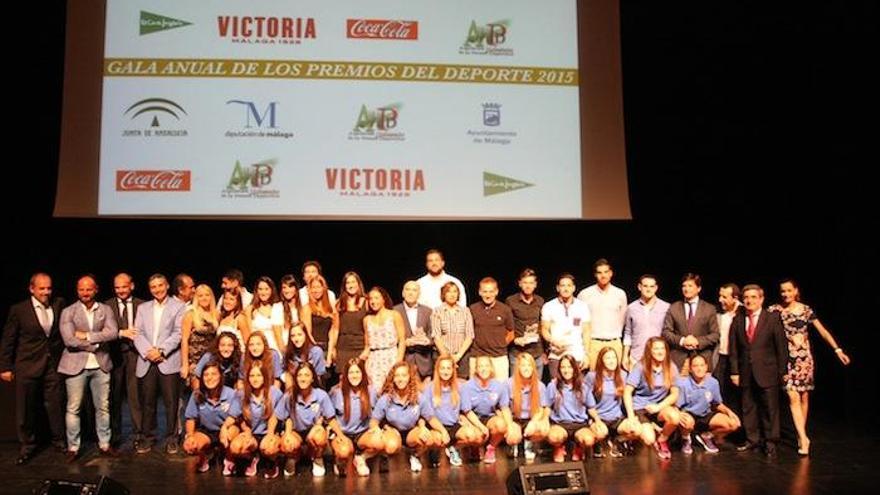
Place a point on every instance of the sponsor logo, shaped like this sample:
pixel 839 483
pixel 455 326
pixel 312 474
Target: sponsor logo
pixel 260 121
pixel 266 30
pixel 491 118
pixel 487 39
pixel 153 180
pixel 251 181
pixel 153 23
pixel 492 114
pixel 379 124
pixel 380 182
pixel 498 184
pixel 150 110
pixel 382 29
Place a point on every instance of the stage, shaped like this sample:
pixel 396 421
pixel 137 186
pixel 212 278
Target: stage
pixel 842 462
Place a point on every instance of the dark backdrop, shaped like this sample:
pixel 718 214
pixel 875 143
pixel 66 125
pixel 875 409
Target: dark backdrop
pixel 745 129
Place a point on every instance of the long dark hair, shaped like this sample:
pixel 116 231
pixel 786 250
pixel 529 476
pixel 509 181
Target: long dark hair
pixel 291 353
pixel 202 393
pixel 295 391
pixel 577 382
pixel 267 358
pixel 263 392
pixel 600 375
pixel 359 298
pixel 290 281
pixel 273 297
pixel 362 390
pixel 234 361
pixel 666 364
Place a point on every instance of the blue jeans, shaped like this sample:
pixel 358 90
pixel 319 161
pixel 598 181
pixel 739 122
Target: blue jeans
pixel 99 383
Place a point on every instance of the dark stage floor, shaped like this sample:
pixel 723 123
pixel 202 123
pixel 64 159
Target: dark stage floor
pixel 844 461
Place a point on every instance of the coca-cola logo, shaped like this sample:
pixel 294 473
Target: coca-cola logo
pixel 153 180
pixel 383 29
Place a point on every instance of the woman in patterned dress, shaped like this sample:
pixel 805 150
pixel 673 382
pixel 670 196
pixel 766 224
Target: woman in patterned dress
pixel 198 330
pixel 796 318
pixel 384 336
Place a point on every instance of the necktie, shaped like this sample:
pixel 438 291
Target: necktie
pixel 44 319
pixel 750 331
pixel 125 313
pixel 690 314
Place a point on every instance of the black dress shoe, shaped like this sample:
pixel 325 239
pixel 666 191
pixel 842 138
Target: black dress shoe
pixel 770 450
pixel 108 452
pixel 745 447
pixel 23 459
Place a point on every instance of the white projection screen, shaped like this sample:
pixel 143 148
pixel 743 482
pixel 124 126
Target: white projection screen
pixel 387 109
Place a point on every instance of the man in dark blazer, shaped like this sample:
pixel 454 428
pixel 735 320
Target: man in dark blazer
pixel 691 325
pixel 123 381
pixel 29 354
pixel 758 361
pixel 417 323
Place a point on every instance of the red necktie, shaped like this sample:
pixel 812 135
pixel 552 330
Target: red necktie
pixel 750 331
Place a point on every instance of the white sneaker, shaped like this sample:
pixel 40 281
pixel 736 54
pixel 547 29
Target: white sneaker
pixel 360 465
pixel 529 449
pixel 318 467
pixel 415 465
pixel 289 467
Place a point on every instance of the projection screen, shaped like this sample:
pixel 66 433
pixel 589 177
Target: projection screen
pixel 389 109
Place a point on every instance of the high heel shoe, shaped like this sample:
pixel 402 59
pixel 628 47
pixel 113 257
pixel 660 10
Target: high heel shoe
pixel 804 448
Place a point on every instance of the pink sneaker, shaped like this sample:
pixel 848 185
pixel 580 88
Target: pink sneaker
pixel 559 454
pixel 252 468
pixel 662 449
pixel 228 467
pixel 203 465
pixel 577 453
pixel 489 458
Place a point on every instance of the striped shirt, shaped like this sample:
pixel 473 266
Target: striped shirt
pixel 452 325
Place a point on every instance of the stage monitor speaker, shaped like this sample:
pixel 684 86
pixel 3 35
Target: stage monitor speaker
pixel 568 478
pixel 104 486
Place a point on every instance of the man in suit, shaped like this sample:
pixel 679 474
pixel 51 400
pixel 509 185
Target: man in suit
pixel 123 381
pixel 691 325
pixel 31 349
pixel 85 362
pixel 417 323
pixel 758 361
pixel 158 368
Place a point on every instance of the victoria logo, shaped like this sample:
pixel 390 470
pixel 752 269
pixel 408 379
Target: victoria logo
pixel 153 180
pixel 487 39
pixel 152 109
pixel 392 182
pixel 153 23
pixel 382 29
pixel 378 124
pixel 266 30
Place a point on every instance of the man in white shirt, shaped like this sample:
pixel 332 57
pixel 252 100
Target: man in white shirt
pixel 565 325
pixel 607 309
pixel 310 270
pixel 233 281
pixel 431 283
pixel 85 362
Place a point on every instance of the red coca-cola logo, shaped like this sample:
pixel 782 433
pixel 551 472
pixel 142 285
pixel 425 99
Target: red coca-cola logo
pixel 383 29
pixel 153 180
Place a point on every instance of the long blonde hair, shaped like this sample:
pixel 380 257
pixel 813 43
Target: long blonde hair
pixel 209 316
pixel 436 386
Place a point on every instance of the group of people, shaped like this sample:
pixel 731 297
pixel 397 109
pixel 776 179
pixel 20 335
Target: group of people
pixel 286 372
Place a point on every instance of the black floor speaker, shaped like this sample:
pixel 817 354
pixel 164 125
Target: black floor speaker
pixel 103 486
pixel 567 478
